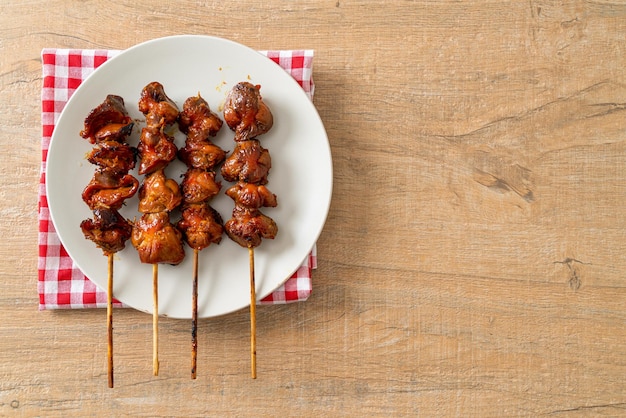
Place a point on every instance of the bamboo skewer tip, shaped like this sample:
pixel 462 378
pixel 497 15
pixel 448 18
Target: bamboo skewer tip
pixel 252 314
pixel 194 316
pixel 110 321
pixel 155 320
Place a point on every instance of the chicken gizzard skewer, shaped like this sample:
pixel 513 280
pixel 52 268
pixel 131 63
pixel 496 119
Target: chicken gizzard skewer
pixel 201 225
pixel 248 116
pixel 157 241
pixel 107 127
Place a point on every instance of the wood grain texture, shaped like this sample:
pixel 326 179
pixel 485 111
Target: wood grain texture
pixel 473 259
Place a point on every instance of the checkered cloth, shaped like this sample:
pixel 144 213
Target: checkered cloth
pixel 61 284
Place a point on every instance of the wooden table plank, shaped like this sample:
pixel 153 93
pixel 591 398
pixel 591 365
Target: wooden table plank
pixel 472 262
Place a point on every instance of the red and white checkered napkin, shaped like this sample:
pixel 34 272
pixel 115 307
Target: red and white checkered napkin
pixel 61 284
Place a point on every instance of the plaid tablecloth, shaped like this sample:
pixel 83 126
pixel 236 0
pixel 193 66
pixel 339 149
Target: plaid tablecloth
pixel 61 285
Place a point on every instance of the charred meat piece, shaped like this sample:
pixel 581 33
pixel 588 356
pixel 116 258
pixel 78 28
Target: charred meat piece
pixel 197 120
pixel 158 193
pixel 157 240
pixel 156 150
pixel 108 230
pixel 200 154
pixel 251 196
pixel 246 113
pixel 115 157
pixel 107 190
pixel 159 109
pixel 248 227
pixel 249 162
pixel 201 225
pixel 114 132
pixel 199 186
pixel 108 121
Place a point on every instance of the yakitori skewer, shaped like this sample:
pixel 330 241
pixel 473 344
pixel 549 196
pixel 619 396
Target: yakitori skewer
pixel 107 126
pixel 200 225
pixel 248 116
pixel 155 238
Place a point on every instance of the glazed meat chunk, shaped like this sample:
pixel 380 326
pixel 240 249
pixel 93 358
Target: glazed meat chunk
pixel 251 196
pixel 106 190
pixel 159 109
pixel 247 227
pixel 249 162
pixel 197 121
pixel 201 154
pixel 157 240
pixel 108 230
pixel 158 193
pixel 114 157
pixel 246 113
pixel 201 225
pixel 108 121
pixel 199 186
pixel 156 150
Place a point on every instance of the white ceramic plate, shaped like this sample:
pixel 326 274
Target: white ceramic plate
pixel 301 174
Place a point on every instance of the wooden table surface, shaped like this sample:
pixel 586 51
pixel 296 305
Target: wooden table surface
pixel 472 263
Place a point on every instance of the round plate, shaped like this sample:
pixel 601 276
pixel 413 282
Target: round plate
pixel 301 174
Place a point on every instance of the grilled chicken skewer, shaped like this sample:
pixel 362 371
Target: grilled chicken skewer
pixel 248 116
pixel 201 225
pixel 157 241
pixel 107 127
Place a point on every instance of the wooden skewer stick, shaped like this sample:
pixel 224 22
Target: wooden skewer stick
pixel 110 321
pixel 194 316
pixel 155 320
pixel 252 314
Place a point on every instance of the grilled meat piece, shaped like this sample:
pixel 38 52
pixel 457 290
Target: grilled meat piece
pixel 203 155
pixel 159 109
pixel 197 121
pixel 108 121
pixel 251 196
pixel 246 113
pixel 158 193
pixel 156 150
pixel 157 240
pixel 112 156
pixel 199 186
pixel 107 190
pixel 247 227
pixel 108 230
pixel 201 225
pixel 249 162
